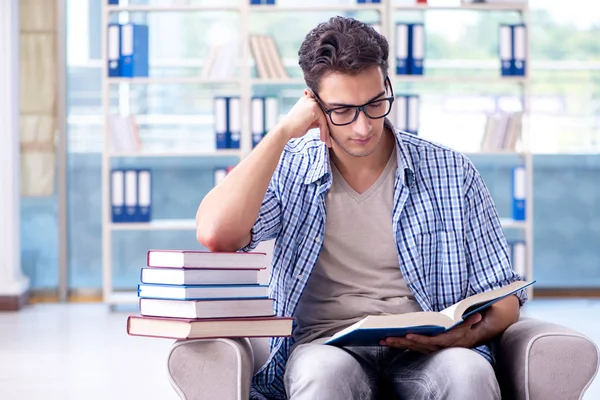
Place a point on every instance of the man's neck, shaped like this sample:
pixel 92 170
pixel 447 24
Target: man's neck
pixel 350 166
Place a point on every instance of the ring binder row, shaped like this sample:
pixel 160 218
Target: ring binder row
pixel 406 113
pixel 131 195
pixel 410 49
pixel 264 115
pixel 127 50
pixel 513 49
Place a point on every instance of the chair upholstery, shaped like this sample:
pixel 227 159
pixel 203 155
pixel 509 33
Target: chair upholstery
pixel 535 360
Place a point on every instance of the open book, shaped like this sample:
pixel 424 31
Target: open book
pixel 372 329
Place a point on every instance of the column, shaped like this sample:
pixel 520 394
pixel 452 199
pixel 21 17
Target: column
pixel 14 286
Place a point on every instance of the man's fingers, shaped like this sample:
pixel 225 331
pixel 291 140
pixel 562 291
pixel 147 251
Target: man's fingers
pixel 410 345
pixel 324 128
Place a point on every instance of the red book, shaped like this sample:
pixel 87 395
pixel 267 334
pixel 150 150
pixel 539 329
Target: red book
pixel 180 328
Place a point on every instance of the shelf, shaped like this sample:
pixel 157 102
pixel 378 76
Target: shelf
pixel 157 225
pixel 349 7
pixel 479 7
pixel 509 223
pixel 171 80
pixel 122 298
pixel 171 8
pixel 458 79
pixel 290 81
pixel 216 153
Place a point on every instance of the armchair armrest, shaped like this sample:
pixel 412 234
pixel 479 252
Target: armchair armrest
pixel 211 369
pixel 538 360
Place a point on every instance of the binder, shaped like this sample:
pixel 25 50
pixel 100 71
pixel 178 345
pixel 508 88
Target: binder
pixel 519 257
pixel 218 175
pixel 519 59
pixel 220 104
pixel 271 113
pixel 144 181
pixel 234 123
pixel 113 2
pixel 117 195
pixel 259 2
pixel 258 119
pixel 416 48
pixel 505 49
pixel 413 114
pixel 134 50
pixel 131 195
pixel 113 50
pixel 401 111
pixel 402 59
pixel 519 187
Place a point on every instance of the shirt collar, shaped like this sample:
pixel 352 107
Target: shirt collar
pixel 320 168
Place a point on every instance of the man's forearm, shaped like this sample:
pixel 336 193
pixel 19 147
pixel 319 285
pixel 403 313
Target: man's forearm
pixel 496 319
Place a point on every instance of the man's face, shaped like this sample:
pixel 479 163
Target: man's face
pixel 361 137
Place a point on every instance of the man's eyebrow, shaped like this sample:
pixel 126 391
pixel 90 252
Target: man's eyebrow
pixel 350 105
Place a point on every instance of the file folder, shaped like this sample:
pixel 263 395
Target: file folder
pixel 144 196
pixel 413 115
pixel 258 119
pixel 134 50
pixel 131 195
pixel 117 187
pixel 220 104
pixel 505 43
pixel 519 49
pixel 401 111
pixel 519 186
pixel 416 48
pixel 271 113
pixel 113 49
pixel 234 126
pixel 402 49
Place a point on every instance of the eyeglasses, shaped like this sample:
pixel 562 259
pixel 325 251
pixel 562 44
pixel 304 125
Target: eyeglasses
pixel 347 114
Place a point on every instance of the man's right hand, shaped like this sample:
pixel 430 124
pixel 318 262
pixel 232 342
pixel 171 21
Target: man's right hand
pixel 304 116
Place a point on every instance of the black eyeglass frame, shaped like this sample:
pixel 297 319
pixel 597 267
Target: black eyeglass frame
pixel 358 109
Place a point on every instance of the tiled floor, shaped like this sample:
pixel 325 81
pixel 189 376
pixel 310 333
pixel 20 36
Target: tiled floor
pixel 81 351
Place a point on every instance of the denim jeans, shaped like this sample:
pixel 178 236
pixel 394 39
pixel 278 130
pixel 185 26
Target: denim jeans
pixel 315 371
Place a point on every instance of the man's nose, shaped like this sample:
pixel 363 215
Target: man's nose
pixel 362 125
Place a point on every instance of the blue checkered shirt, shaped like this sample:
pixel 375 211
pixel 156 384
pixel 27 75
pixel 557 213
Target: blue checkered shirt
pixel 449 238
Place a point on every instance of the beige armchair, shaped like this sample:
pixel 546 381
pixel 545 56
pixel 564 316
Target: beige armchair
pixel 536 360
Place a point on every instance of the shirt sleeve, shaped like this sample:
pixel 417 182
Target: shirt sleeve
pixel 486 247
pixel 268 223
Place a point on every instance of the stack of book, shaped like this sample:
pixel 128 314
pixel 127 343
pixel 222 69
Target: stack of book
pixel 200 295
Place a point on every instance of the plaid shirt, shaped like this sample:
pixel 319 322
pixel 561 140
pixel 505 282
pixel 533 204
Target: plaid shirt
pixel 449 238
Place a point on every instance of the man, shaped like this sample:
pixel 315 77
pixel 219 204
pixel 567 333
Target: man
pixel 367 220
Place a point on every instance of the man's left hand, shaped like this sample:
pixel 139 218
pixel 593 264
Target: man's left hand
pixel 460 336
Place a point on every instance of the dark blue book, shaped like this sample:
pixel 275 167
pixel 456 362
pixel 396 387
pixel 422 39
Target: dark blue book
pixel 374 328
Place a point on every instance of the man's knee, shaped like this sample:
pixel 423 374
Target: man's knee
pixel 325 372
pixel 464 374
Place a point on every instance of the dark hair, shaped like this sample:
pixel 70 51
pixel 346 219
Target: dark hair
pixel 342 45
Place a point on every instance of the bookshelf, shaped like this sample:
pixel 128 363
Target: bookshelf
pixel 246 84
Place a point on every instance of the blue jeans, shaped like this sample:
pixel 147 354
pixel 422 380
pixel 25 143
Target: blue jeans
pixel 315 371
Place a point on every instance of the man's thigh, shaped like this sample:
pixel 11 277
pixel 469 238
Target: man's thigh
pixel 318 371
pixel 453 373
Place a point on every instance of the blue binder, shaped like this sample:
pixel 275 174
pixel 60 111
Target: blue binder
pixel 234 122
pixel 117 195
pixel 113 2
pixel 220 124
pixel 134 50
pixel 505 49
pixel 402 45
pixel 257 119
pixel 519 49
pixel 416 48
pixel 519 192
pixel 144 196
pixel 113 50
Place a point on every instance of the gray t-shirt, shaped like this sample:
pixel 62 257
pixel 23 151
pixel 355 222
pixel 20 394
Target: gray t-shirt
pixel 357 273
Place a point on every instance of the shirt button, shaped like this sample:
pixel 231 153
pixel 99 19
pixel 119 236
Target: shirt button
pixel 318 239
pixel 300 276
